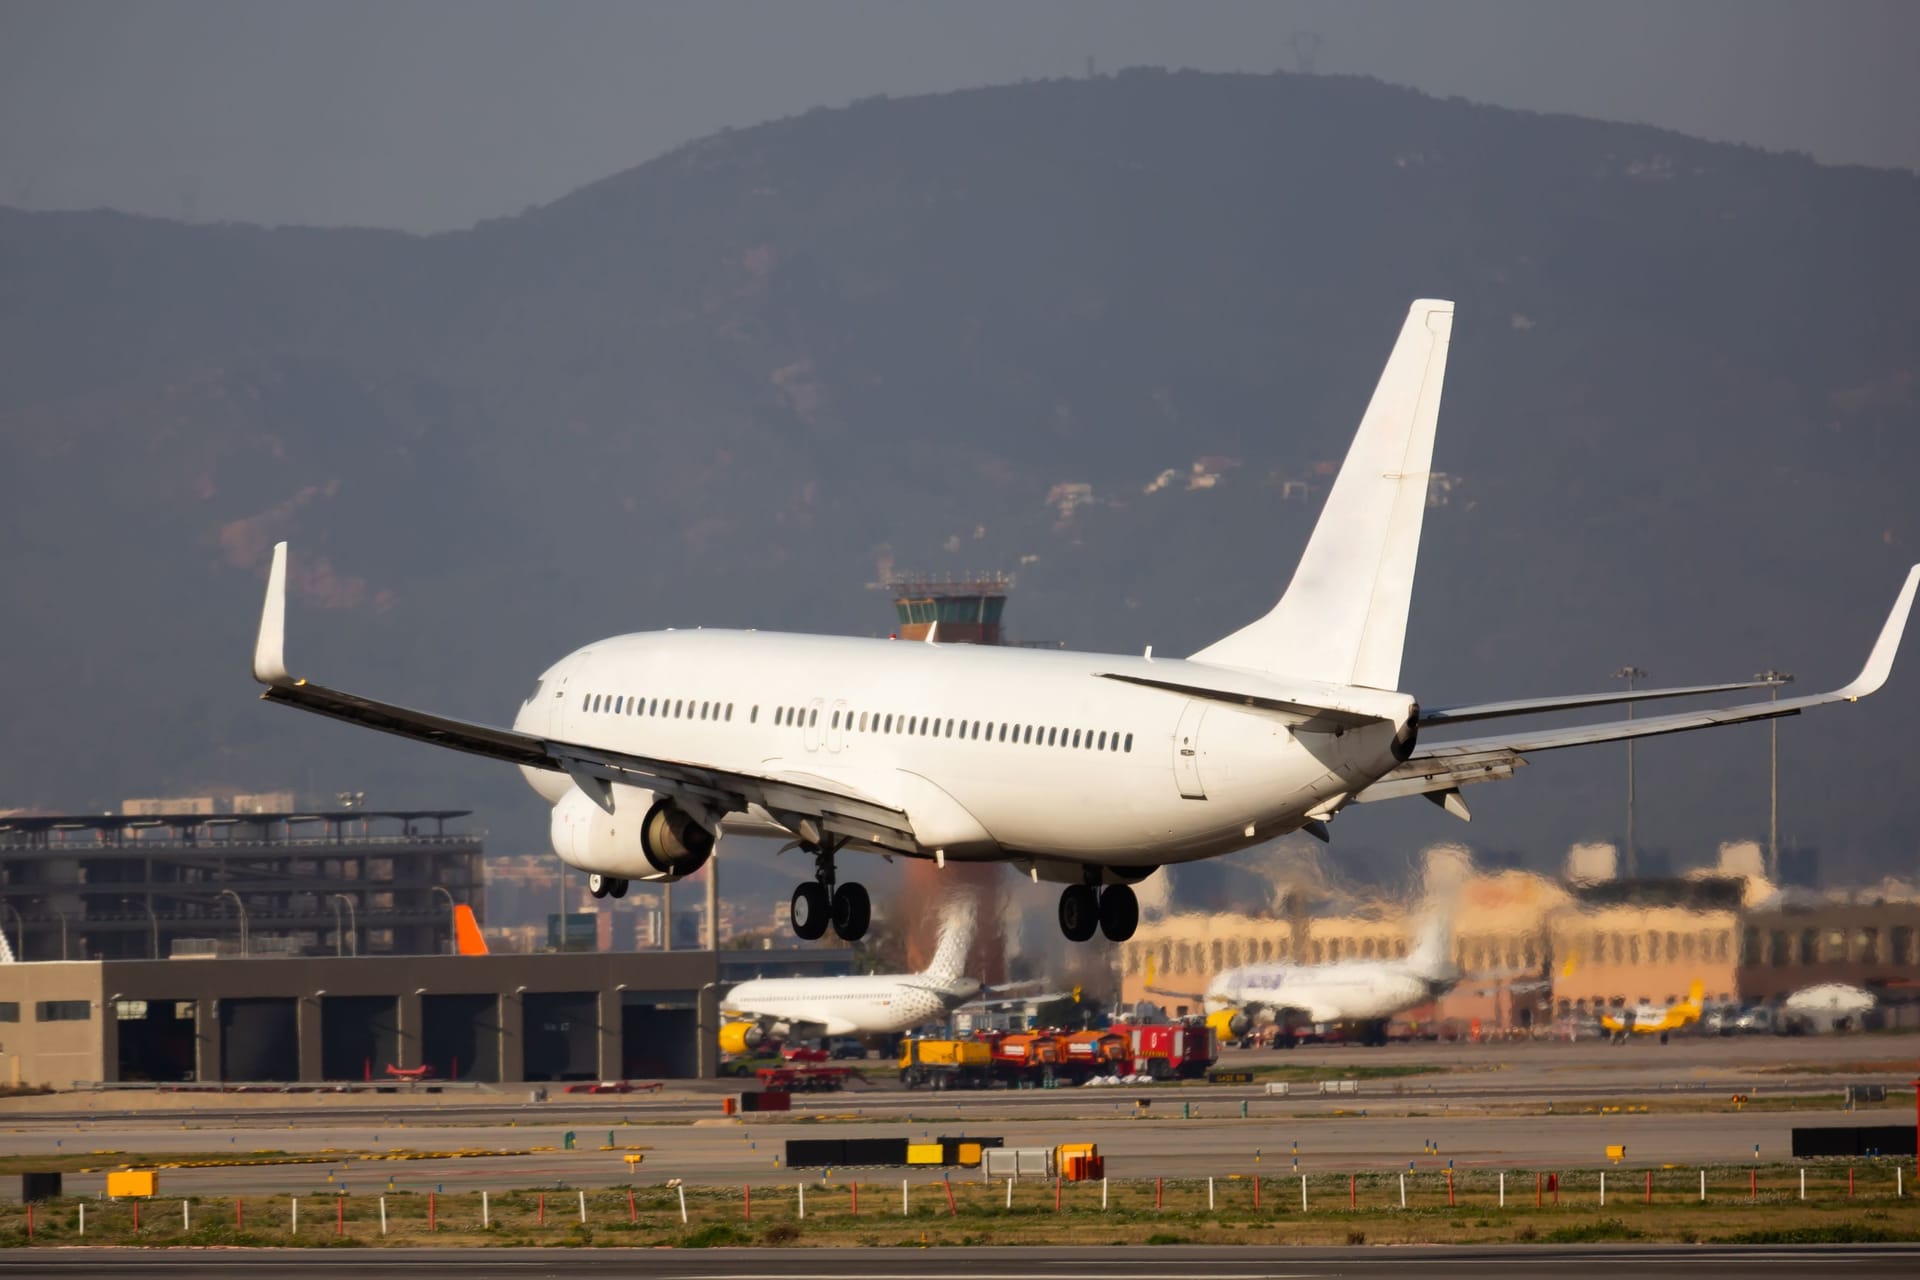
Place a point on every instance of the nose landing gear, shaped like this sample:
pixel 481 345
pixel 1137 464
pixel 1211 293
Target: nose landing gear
pixel 823 901
pixel 606 886
pixel 1113 910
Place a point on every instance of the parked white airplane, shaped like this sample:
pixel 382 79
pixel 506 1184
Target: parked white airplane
pixel 1829 1006
pixel 858 1004
pixel 1362 993
pixel 1087 769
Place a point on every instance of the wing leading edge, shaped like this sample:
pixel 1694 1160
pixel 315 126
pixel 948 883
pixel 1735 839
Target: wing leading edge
pixel 842 811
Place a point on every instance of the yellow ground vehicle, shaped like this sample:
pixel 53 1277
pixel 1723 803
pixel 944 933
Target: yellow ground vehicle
pixel 945 1064
pixel 1652 1020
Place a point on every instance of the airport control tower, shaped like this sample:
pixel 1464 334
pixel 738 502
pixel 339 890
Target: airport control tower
pixel 968 609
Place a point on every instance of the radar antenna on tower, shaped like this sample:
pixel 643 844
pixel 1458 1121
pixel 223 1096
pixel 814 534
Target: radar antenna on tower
pixel 1306 47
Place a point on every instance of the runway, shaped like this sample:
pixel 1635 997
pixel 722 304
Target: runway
pixel 1165 1262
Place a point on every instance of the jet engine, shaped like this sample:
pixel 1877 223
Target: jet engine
pixel 742 1037
pixel 1229 1024
pixel 647 836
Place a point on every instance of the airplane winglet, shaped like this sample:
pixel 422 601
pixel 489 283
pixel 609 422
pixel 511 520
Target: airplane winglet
pixel 1880 661
pixel 269 650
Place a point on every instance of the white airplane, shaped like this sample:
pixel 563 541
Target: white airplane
pixel 1829 1006
pixel 1090 770
pixel 855 1005
pixel 1362 993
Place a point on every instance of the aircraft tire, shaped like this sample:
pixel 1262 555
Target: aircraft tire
pixel 809 911
pixel 597 884
pixel 617 887
pixel 852 911
pixel 1119 912
pixel 1079 912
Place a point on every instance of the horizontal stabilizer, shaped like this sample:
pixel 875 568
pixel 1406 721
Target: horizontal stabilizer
pixel 1306 717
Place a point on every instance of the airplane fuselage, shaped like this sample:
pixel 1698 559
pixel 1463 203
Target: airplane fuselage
pixel 875 1005
pixel 995 753
pixel 1325 993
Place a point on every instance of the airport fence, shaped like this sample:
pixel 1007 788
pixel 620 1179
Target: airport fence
pixel 782 1211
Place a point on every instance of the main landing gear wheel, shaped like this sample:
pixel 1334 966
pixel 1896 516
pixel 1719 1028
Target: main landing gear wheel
pixel 597 884
pixel 617 887
pixel 1119 912
pixel 810 911
pixel 852 911
pixel 1079 912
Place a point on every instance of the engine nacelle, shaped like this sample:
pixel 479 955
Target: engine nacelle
pixel 742 1037
pixel 1229 1024
pixel 646 837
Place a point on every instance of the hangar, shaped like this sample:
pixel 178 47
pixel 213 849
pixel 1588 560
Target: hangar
pixel 483 1019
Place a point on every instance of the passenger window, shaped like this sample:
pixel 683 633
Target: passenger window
pixel 753 716
pixel 1076 738
pixel 729 713
pixel 889 728
pixel 1129 742
pixel 863 722
pixel 976 730
pixel 1027 738
pixel 950 729
pixel 1103 741
pixel 813 717
pixel 1003 732
pixel 835 722
pixel 679 709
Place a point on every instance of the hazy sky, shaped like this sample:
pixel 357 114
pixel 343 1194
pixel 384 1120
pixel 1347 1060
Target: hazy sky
pixel 437 113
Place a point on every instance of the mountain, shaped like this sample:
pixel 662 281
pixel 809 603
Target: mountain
pixel 1111 334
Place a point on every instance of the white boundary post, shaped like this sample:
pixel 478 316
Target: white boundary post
pixel 294 1221
pixel 1703 1186
pixel 1603 1188
pixel 1803 1184
pixel 801 1188
pixel 1009 1193
pixel 1103 1191
pixel 1303 1193
pixel 1403 1191
pixel 383 1211
pixel 1209 1195
pixel 583 1206
pixel 683 1206
pixel 903 1197
pixel 186 1219
pixel 83 1217
pixel 1503 1188
pixel 1899 1181
pixel 486 1213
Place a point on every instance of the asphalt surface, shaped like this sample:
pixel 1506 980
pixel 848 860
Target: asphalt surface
pixel 1167 1262
pixel 1192 1130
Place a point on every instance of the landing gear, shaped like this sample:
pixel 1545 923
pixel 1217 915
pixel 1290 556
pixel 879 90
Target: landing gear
pixel 1119 912
pixel 1085 908
pixel 809 911
pixel 606 886
pixel 823 901
pixel 1079 912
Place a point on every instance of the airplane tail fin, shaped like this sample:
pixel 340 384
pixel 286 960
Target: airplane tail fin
pixel 1343 619
pixel 957 924
pixel 1432 955
pixel 1696 996
pixel 468 940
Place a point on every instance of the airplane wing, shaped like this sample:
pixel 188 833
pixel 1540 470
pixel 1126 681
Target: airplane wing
pixel 840 810
pixel 1439 767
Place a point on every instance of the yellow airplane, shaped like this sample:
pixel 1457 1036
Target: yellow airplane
pixel 1652 1019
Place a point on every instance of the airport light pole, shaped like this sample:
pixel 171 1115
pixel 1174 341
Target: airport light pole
pixel 242 907
pixel 446 893
pixel 153 922
pixel 353 922
pixel 1777 678
pixel 1630 673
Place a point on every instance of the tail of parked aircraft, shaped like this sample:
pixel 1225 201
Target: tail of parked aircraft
pixel 1432 955
pixel 957 924
pixel 1343 619
pixel 467 938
